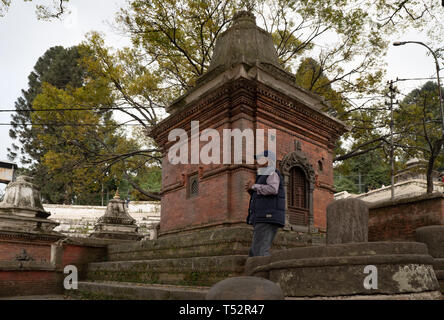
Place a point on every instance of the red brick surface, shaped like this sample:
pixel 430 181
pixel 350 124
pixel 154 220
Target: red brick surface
pixel 398 222
pixel 80 256
pixel 221 199
pixel 38 251
pixel 26 283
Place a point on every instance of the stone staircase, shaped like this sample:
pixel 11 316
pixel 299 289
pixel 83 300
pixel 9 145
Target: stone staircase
pixel 175 267
pixel 118 290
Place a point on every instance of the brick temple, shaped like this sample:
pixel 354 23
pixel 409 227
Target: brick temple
pixel 246 87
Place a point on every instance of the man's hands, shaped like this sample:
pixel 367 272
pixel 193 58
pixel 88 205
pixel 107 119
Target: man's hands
pixel 248 186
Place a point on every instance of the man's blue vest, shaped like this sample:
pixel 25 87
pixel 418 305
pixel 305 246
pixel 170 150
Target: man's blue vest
pixel 268 209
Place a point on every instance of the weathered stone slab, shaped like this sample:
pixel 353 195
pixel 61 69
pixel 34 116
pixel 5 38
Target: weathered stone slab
pixel 433 237
pixel 245 288
pixel 347 221
pixel 102 290
pixel 203 271
pixel 215 242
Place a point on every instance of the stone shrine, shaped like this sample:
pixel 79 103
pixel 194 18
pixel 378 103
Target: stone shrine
pixel 246 87
pixel 116 223
pixel 24 226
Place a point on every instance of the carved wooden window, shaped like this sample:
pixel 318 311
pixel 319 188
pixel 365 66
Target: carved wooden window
pixel 193 185
pixel 297 197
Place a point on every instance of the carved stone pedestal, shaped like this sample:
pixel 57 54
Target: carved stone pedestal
pixel 116 223
pixel 24 227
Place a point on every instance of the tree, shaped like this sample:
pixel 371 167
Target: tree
pixel 44 12
pixel 57 66
pixel 362 173
pixel 173 41
pixel 419 112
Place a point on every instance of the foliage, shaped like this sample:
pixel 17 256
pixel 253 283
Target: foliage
pixel 44 12
pixel 172 44
pixel 371 170
pixel 419 120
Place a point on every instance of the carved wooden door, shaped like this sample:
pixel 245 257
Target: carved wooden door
pixel 297 197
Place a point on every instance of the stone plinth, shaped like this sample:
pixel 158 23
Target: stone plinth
pixel 433 237
pixel 347 221
pixel 24 226
pixel 116 223
pixel 245 288
pixel 22 212
pixel 339 270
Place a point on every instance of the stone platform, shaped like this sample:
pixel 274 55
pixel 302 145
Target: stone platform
pixel 198 258
pixel 180 271
pixel 104 290
pixel 204 243
pixel 338 270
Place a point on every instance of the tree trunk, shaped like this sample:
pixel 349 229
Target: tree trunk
pixel 434 153
pixel 429 174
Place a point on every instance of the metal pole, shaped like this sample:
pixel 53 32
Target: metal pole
pixel 392 159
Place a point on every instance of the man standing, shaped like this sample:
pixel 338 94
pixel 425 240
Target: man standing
pixel 267 204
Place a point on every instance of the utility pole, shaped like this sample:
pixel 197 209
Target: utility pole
pixel 360 182
pixel 392 93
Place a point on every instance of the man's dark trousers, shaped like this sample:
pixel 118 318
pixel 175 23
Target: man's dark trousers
pixel 263 236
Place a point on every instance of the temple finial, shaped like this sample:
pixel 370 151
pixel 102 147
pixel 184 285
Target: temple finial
pixel 117 195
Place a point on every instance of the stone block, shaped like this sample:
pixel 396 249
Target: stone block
pixel 433 237
pixel 347 221
pixel 245 288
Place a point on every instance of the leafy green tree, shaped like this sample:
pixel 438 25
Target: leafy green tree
pixel 173 41
pixel 57 66
pixel 362 173
pixel 419 118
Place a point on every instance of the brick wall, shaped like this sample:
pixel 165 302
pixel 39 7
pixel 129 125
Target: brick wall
pixel 30 282
pixel 37 251
pixel 81 255
pixel 41 275
pixel 397 220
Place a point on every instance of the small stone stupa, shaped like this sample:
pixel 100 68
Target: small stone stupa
pixel 22 213
pixel 116 223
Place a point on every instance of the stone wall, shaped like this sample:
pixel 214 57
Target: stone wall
pixel 397 220
pixel 78 221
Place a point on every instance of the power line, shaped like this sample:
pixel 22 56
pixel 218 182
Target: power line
pixel 67 124
pixel 73 109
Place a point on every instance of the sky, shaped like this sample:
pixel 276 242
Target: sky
pixel 24 38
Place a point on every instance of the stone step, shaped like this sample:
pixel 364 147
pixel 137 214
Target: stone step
pixel 204 243
pixel 196 271
pixel 104 290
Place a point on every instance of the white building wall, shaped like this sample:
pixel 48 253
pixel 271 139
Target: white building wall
pixel 79 221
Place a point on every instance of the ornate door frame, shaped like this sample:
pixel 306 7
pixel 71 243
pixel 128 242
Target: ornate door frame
pixel 298 159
